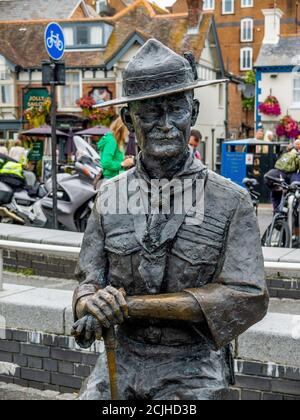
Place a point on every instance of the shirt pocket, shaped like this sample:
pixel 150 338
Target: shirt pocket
pixel 196 255
pixel 120 249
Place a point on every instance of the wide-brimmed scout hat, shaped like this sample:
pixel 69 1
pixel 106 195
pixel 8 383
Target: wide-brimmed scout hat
pixel 156 71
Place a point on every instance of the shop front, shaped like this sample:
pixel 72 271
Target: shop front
pixel 9 129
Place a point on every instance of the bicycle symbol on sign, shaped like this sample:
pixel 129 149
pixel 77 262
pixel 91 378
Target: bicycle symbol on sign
pixel 54 40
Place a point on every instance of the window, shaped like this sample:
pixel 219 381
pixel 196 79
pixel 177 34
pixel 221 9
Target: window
pixel 247 30
pixel 5 94
pixel 227 7
pixel 101 5
pixel 296 91
pixel 69 36
pixel 246 59
pixel 209 5
pixel 246 3
pixel 96 35
pixel 71 91
pixel 84 36
pixel 6 83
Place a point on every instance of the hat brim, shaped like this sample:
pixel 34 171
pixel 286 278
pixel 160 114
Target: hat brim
pixel 165 92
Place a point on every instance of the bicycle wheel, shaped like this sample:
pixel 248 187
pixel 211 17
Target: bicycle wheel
pixel 49 42
pixel 60 45
pixel 277 235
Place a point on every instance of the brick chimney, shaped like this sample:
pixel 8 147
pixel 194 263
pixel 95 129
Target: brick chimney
pixel 272 25
pixel 195 9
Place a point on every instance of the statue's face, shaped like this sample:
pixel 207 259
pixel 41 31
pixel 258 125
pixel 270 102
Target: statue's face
pixel 162 125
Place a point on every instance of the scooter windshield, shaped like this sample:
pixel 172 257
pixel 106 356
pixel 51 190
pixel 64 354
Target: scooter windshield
pixel 84 149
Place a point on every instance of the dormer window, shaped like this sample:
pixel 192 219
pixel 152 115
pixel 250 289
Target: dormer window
pixel 86 35
pixel 82 35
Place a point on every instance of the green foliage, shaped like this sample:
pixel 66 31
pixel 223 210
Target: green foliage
pixel 250 78
pixel 248 104
pixel 28 272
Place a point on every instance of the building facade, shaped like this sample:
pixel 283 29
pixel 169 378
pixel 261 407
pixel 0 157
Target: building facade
pixel 278 71
pixel 240 25
pixel 97 51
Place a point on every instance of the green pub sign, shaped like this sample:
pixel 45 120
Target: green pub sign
pixel 35 98
pixel 36 152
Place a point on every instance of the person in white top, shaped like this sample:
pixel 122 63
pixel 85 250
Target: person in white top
pixel 18 152
pixel 3 148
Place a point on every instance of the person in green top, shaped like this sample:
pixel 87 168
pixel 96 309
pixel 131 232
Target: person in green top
pixel 112 151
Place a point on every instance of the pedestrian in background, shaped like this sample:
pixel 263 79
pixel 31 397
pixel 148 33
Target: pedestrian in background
pixel 259 135
pixel 269 136
pixel 286 169
pixel 112 150
pixel 194 142
pixel 3 148
pixel 18 152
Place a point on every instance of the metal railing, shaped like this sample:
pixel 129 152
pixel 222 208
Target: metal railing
pixel 73 252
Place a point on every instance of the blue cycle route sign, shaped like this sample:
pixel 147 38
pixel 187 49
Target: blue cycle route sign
pixel 55 41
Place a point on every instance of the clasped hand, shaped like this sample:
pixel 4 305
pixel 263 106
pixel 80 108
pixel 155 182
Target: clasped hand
pixel 104 309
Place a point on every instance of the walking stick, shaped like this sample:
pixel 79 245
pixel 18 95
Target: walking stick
pixel 110 342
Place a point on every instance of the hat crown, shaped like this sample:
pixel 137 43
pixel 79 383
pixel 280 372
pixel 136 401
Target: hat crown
pixel 156 67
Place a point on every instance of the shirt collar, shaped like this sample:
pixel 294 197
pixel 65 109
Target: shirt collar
pixel 192 166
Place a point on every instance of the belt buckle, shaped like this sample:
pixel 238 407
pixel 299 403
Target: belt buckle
pixel 153 335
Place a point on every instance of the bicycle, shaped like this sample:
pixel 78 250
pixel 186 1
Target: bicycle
pixel 54 40
pixel 283 232
pixel 250 184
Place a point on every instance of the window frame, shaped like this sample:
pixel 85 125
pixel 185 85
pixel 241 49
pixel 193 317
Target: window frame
pixel 62 107
pixel 295 105
pixel 245 21
pixel 89 45
pixel 243 51
pixel 243 6
pixel 224 12
pixel 212 7
pixel 7 81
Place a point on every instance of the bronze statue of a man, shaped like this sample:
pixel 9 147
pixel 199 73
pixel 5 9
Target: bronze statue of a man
pixel 178 291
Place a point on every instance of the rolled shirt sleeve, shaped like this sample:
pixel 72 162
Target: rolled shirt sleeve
pixel 238 297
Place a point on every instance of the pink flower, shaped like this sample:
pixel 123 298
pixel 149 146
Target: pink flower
pixel 270 106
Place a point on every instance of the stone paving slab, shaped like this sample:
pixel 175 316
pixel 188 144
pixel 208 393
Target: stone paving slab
pixel 39 281
pixel 292 257
pixel 67 239
pixel 276 254
pixel 36 310
pixel 17 393
pixel 285 306
pixel 276 339
pixel 38 235
pixel 13 289
pixel 69 320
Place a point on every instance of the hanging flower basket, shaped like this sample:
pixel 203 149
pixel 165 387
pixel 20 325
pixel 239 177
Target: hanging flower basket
pixel 102 116
pixel 270 106
pixel 288 127
pixel 86 103
pixel 36 116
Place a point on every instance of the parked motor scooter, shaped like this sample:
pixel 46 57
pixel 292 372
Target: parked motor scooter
pixel 75 195
pixel 23 193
